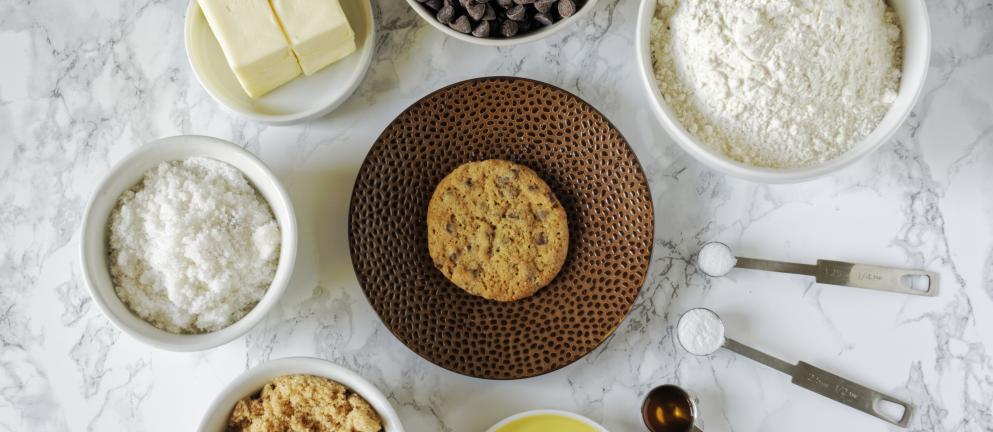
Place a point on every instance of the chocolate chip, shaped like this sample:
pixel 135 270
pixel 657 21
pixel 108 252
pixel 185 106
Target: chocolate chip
pixel 517 13
pixel 482 30
pixel 461 24
pixel 433 4
pixel 566 8
pixel 506 4
pixel 541 240
pixel 544 6
pixel 454 256
pixel 475 10
pixel 446 13
pixel 525 25
pixel 490 14
pixel 508 28
pixel 544 19
pixel 523 2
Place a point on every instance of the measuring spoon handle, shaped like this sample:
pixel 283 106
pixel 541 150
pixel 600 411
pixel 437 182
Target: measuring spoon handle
pixel 758 356
pixel 904 281
pixel 828 384
pixel 776 266
pixel 849 393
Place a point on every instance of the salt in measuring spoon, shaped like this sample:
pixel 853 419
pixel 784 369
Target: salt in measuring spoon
pixel 715 260
pixel 701 332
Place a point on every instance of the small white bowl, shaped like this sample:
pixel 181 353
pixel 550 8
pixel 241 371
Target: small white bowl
pixel 559 413
pixel 916 33
pixel 127 173
pixel 530 36
pixel 251 381
pixel 306 97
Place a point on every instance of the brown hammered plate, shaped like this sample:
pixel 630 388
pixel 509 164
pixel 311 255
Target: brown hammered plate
pixel 586 162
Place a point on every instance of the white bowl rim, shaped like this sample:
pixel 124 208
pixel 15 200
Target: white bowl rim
pixel 537 412
pixel 283 119
pixel 201 341
pixel 732 167
pixel 297 365
pixel 542 33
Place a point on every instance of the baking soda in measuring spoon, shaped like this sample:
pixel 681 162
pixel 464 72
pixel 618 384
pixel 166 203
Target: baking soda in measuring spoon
pixel 700 331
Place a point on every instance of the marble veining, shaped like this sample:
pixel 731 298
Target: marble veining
pixel 84 83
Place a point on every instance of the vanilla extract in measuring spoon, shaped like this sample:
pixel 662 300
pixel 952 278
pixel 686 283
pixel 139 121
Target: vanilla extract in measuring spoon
pixel 701 332
pixel 669 408
pixel 715 259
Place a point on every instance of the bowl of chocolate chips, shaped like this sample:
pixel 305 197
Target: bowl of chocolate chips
pixel 501 22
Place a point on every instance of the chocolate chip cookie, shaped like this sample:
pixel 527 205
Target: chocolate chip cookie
pixel 496 230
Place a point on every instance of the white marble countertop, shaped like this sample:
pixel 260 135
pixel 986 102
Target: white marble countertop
pixel 83 83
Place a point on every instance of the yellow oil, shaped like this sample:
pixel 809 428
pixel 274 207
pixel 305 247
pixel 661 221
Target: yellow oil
pixel 546 423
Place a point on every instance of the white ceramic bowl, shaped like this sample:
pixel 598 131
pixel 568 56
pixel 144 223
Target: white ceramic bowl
pixel 304 98
pixel 916 34
pixel 127 173
pixel 531 36
pixel 538 412
pixel 250 382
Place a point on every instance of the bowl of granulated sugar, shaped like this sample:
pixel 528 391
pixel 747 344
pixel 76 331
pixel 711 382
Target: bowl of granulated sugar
pixel 797 92
pixel 188 242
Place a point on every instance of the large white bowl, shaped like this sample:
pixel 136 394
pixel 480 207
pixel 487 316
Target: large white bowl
pixel 127 173
pixel 306 97
pixel 596 426
pixel 250 382
pixel 530 36
pixel 916 33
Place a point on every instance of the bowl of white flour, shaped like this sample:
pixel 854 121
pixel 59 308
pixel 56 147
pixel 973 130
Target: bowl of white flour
pixel 188 242
pixel 780 92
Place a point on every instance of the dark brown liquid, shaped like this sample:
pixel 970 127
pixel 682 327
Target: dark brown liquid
pixel 668 409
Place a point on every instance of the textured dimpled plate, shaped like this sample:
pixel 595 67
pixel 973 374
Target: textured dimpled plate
pixel 588 165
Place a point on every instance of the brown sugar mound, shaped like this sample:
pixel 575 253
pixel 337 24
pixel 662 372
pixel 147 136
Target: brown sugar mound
pixel 304 403
pixel 496 230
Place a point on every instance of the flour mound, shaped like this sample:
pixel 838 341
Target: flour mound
pixel 193 247
pixel 777 83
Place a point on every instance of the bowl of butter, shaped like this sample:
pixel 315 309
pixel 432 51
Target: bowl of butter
pixel 543 420
pixel 281 61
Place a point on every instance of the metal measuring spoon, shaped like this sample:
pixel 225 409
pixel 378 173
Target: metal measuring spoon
pixel 914 282
pixel 819 381
pixel 669 408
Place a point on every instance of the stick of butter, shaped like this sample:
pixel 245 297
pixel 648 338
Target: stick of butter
pixel 253 43
pixel 318 31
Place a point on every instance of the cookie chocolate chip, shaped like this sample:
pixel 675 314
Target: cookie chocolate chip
pixel 496 230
